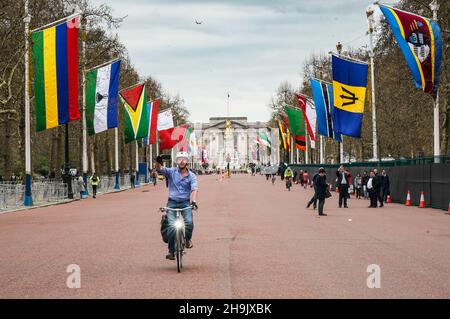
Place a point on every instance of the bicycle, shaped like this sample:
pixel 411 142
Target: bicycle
pixel 180 240
pixel 288 183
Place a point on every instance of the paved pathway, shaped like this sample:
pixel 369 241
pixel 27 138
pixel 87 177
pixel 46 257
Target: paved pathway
pixel 251 240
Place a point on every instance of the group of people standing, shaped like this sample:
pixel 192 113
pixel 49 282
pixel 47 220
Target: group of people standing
pixel 373 186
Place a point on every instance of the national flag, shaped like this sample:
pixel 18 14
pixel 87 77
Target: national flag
pixel 300 142
pixel 165 129
pixel 310 117
pixel 263 139
pixel 152 118
pixel 349 92
pixel 182 133
pixel 283 133
pixel 323 101
pixel 288 132
pixel 420 40
pixel 193 147
pixel 134 102
pixel 55 65
pixel 296 121
pixel 102 87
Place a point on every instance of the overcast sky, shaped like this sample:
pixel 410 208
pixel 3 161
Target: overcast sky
pixel 245 47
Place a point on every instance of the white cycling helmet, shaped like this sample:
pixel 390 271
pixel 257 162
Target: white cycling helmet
pixel 182 155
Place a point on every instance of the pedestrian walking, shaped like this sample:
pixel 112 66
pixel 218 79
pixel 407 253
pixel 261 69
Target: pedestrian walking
pixel 313 200
pixel 132 179
pixel 13 178
pixel 377 184
pixel 365 179
pixel 305 179
pixel 343 183
pixel 81 186
pixel 322 188
pixel 385 184
pixel 371 190
pixel 358 186
pixel 94 179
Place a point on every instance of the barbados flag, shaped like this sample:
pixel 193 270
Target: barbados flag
pixel 349 92
pixel 55 65
pixel 420 40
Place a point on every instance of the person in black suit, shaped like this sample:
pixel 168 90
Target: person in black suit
pixel 384 185
pixel 343 183
pixel 371 190
pixel 321 189
pixel 377 185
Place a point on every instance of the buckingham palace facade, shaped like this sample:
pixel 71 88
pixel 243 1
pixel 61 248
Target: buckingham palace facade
pixel 234 140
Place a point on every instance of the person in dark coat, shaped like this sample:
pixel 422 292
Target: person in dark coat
pixel 377 184
pixel 313 200
pixel 365 179
pixel 321 188
pixel 343 183
pixel 371 190
pixel 385 183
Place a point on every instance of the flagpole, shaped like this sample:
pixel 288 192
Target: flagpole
pixel 341 150
pixel 434 5
pixel 306 148
pixel 72 16
pixel 85 157
pixel 92 156
pixel 67 177
pixel 116 153
pixel 103 64
pixel 370 20
pixel 137 182
pixel 292 149
pixel 28 200
pixel 321 149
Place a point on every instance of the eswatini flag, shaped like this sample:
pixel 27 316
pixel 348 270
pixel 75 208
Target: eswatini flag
pixel 55 65
pixel 420 40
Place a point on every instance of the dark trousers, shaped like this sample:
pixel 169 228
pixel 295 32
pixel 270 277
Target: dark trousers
pixel 380 196
pixel 321 204
pixel 373 197
pixel 313 201
pixel 343 194
pixel 358 192
pixel 94 190
pixel 384 193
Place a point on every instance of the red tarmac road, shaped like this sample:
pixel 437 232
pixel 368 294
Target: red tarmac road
pixel 251 240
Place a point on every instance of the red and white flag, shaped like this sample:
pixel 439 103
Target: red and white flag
pixel 165 130
pixel 310 116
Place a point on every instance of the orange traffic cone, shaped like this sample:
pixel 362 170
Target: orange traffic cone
pixel 388 199
pixel 422 200
pixel 337 189
pixel 408 199
pixel 448 211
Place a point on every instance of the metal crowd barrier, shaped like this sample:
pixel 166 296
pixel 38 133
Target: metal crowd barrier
pixel 11 195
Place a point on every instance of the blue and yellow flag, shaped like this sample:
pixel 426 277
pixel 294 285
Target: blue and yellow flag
pixel 420 40
pixel 349 92
pixel 323 100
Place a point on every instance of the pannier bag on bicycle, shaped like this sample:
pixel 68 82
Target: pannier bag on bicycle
pixel 164 228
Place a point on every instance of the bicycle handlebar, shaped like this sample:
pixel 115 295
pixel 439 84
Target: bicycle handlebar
pixel 165 209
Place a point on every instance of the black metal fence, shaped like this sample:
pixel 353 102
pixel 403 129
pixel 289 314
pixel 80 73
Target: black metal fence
pixel 416 175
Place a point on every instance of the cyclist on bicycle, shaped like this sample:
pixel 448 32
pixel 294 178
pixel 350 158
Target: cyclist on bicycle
pixel 182 193
pixel 288 175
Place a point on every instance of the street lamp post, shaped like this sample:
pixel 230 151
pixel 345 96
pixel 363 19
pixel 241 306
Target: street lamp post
pixel 370 21
pixel 341 144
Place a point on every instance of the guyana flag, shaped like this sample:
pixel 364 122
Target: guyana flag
pixel 134 103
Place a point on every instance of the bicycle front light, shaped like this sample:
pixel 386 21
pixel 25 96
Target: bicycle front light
pixel 178 224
